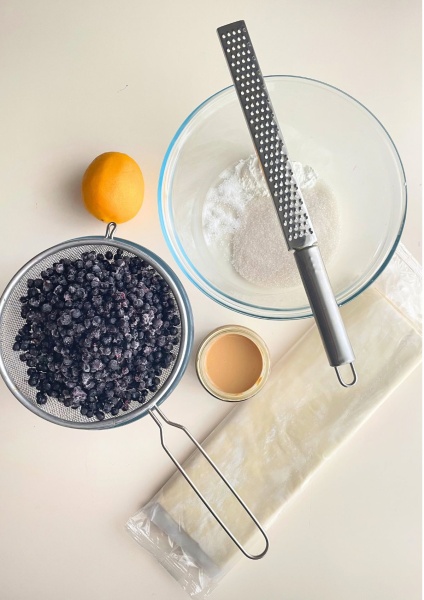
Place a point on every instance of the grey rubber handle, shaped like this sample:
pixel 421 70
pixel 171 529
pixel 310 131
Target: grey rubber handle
pixel 324 306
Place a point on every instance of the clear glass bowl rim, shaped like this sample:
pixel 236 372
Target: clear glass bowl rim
pixel 201 282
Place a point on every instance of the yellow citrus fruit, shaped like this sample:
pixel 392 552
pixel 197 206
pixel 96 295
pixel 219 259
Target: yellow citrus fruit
pixel 113 187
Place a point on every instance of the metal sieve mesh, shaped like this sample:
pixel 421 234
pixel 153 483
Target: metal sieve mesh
pixel 14 370
pixel 266 135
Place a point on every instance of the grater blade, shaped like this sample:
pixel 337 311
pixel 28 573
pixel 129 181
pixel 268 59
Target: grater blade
pixel 288 201
pixel 266 135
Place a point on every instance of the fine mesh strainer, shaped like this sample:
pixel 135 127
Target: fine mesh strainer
pixel 13 370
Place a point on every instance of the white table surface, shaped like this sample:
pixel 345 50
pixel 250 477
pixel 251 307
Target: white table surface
pixel 84 77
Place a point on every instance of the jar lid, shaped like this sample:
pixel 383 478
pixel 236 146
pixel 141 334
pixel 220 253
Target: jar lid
pixel 233 363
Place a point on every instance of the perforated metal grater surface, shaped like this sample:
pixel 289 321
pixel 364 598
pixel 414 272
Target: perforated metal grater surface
pixel 266 135
pixel 289 203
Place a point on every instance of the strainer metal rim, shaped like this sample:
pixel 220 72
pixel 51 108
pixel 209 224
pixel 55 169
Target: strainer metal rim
pixel 186 342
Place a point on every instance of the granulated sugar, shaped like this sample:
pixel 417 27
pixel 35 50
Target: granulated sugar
pixel 239 219
pixel 226 203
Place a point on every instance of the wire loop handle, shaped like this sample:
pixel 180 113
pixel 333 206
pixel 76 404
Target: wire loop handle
pixel 197 491
pixel 354 376
pixel 110 230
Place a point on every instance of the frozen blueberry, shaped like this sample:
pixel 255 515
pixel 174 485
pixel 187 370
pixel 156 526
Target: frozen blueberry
pixel 65 319
pixel 41 398
pixel 78 394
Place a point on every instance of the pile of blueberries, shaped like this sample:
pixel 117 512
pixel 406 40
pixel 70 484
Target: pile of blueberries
pixel 99 331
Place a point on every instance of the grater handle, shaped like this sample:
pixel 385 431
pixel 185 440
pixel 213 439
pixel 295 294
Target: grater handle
pixel 326 310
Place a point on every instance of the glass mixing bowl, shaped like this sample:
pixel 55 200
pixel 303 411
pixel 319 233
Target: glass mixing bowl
pixel 324 128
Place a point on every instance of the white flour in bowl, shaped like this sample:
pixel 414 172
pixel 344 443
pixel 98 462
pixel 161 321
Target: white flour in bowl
pixel 240 221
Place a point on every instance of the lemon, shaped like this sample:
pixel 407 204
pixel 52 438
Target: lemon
pixel 113 187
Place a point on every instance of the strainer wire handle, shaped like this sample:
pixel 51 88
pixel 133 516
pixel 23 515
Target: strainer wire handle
pixel 197 491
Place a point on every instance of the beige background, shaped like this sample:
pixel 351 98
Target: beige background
pixel 83 77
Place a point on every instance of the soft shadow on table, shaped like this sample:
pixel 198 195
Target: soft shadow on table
pixel 70 188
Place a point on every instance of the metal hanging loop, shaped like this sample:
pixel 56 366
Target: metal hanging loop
pixel 343 383
pixel 110 230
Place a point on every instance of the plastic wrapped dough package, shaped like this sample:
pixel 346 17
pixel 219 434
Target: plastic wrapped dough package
pixel 269 446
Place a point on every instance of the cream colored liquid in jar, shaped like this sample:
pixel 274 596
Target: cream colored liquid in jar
pixel 233 363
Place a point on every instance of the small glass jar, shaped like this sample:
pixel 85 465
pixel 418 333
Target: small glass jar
pixel 260 372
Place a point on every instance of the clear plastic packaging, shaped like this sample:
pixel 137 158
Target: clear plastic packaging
pixel 270 446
